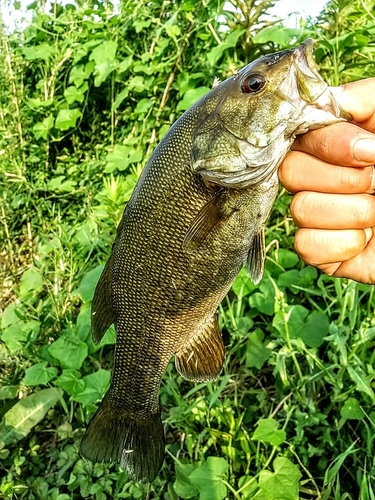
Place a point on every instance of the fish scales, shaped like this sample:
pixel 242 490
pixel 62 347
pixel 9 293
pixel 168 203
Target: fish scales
pixel 195 217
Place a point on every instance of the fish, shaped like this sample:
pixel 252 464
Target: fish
pixel 195 218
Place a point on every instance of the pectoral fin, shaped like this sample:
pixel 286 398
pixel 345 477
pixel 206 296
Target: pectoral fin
pixel 256 257
pixel 202 358
pixel 209 217
pixel 102 312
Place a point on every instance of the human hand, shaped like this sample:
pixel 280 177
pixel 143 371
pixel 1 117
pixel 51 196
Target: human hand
pixel 331 170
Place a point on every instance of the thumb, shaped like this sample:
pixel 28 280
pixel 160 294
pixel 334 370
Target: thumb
pixel 359 99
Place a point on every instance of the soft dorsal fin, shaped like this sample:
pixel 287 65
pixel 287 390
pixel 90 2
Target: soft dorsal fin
pixel 208 218
pixel 102 312
pixel 202 358
pixel 256 257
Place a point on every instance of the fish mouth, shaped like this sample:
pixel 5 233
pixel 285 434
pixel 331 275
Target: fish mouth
pixel 311 86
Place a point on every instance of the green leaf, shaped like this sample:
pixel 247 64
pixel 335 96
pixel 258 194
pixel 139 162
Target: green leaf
pixel 39 374
pixel 41 51
pixel 87 287
pixel 31 281
pixel 106 51
pixel 352 410
pixel 102 70
pixel 264 300
pixel 182 485
pixel 243 285
pixel 80 73
pixel 361 382
pixel 69 351
pixel 283 483
pixel 286 258
pixel 71 382
pixel 74 94
pixel 268 431
pixel 9 391
pixel 41 129
pixel 60 184
pixel 208 479
pixel 67 118
pixel 27 413
pixel 96 385
pixel 293 319
pixel 278 34
pixel 121 96
pixel 256 353
pixel 190 97
pixel 335 466
pixel 231 41
pixel 121 157
pixel 315 329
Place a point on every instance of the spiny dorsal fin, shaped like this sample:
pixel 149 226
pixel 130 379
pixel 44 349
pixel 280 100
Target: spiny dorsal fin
pixel 102 312
pixel 202 358
pixel 216 82
pixel 256 257
pixel 208 218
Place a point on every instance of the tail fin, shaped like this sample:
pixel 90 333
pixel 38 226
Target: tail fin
pixel 136 444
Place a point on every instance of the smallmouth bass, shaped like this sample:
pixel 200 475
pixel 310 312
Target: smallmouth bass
pixel 195 218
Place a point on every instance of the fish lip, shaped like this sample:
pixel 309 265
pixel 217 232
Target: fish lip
pixel 304 58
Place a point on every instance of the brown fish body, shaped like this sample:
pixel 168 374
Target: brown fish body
pixel 182 240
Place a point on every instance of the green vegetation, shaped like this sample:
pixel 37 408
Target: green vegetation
pixel 85 95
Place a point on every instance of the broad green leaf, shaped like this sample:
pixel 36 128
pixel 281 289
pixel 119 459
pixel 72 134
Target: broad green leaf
pixel 87 286
pixel 283 483
pixel 102 70
pixel 288 279
pixel 352 410
pixel 268 431
pixel 39 374
pixel 74 94
pixel 61 184
pixel 17 329
pixel 9 391
pixel 264 300
pixel 182 485
pixel 42 51
pixel 230 41
pixel 80 73
pixel 121 96
pixel 31 281
pixel 286 258
pixel 121 157
pixel 208 479
pixel 71 382
pixel 67 118
pixel 293 319
pixel 96 385
pixel 41 129
pixel 190 97
pixel 243 284
pixel 27 413
pixel 106 51
pixel 256 352
pixel 315 329
pixel 69 351
pixel 278 34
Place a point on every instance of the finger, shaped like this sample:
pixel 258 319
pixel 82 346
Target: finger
pixel 333 211
pixel 319 247
pixel 357 98
pixel 343 144
pixel 303 172
pixel 360 267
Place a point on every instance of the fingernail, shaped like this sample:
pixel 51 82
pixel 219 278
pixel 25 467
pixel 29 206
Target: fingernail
pixel 368 234
pixel 364 150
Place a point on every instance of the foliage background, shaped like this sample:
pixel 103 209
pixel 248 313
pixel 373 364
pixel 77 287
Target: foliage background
pixel 86 92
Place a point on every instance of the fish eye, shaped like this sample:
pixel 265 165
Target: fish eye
pixel 253 84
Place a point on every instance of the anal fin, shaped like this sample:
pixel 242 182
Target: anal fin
pixel 202 358
pixel 102 312
pixel 256 257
